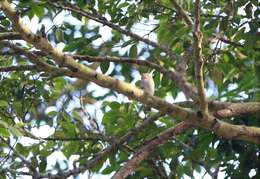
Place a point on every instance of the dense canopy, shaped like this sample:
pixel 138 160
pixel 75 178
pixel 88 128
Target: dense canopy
pixel 70 98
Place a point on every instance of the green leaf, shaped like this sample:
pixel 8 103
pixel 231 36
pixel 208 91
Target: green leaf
pixel 52 113
pixel 4 129
pixel 123 21
pixel 3 103
pixel 77 44
pixel 133 51
pixel 165 81
pixel 127 43
pixel 70 148
pixel 104 67
pixel 22 150
pixel 4 132
pixel 217 76
pixel 43 164
pixel 59 83
pixel 109 169
pixel 38 10
pixel 114 105
pixel 59 34
pixel 15 131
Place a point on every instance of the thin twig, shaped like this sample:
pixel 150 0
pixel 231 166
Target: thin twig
pixel 183 13
pixel 18 68
pixel 104 21
pixel 5 170
pixel 28 164
pixel 101 155
pixel 235 44
pixel 182 64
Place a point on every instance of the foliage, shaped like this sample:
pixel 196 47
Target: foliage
pixel 31 100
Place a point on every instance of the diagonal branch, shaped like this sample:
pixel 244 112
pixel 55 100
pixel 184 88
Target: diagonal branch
pixel 198 36
pixel 158 168
pixel 183 13
pixel 26 162
pixel 178 77
pixel 103 154
pixel 104 21
pixel 40 65
pixel 88 136
pixel 146 150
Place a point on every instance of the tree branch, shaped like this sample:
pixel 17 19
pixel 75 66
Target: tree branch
pixel 18 68
pixel 145 150
pixel 182 64
pixel 10 36
pixel 183 14
pixel 221 109
pixel 104 21
pixel 198 36
pixel 230 42
pixel 178 77
pixel 40 65
pixel 101 155
pixel 5 170
pixel 93 137
pixel 27 163
pixel 159 171
pixel 238 109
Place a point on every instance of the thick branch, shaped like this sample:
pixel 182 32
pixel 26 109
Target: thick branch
pixel 226 109
pixel 198 36
pixel 238 109
pixel 145 150
pixel 179 78
pixel 40 65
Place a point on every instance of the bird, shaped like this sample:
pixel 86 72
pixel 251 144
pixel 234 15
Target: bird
pixel 147 83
